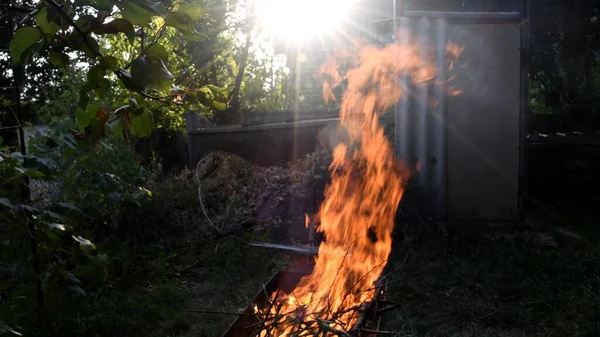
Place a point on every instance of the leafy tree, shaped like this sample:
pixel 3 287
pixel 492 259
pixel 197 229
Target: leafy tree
pixel 119 81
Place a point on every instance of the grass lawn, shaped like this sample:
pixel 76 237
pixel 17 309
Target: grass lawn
pixel 480 281
pixel 462 281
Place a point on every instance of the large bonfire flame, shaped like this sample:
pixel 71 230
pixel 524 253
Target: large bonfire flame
pixel 357 216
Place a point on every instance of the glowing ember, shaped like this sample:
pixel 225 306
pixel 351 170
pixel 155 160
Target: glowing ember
pixel 358 213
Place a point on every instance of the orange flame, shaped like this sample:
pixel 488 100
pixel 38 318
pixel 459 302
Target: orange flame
pixel 358 213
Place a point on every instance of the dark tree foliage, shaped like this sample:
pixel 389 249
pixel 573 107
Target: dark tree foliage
pixel 564 66
pixel 42 80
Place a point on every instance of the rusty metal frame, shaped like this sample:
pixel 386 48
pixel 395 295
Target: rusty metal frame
pixel 239 327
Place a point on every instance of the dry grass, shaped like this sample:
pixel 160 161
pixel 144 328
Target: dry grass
pixel 234 192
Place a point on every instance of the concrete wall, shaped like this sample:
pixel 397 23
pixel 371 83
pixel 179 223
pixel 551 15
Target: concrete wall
pixel 268 144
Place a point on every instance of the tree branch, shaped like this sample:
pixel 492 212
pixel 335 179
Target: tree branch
pixel 72 23
pixel 145 49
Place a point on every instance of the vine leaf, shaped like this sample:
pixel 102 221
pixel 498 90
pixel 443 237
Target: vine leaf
pixel 159 51
pixel 5 203
pixel 141 122
pixel 109 62
pixel 214 97
pixel 85 116
pixel 150 71
pixel 84 244
pixel 98 124
pixel 34 174
pixel 153 7
pixel 48 27
pixel 23 42
pixel 136 14
pixel 91 49
pixel 116 127
pixel 58 59
pixel 96 81
pixel 128 81
pixel 87 22
pixel 117 26
pixel 184 19
pixel 96 74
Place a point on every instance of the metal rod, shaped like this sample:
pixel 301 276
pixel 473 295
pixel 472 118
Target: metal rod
pixel 463 15
pixel 395 23
pixel 524 9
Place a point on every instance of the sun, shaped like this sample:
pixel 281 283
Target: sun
pixel 299 20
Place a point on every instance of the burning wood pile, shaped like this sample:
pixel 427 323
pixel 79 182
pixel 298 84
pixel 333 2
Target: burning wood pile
pixel 344 294
pixel 274 320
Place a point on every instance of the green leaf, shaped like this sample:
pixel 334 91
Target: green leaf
pixel 154 7
pixel 97 125
pixel 1 139
pixel 133 102
pixel 117 26
pixel 41 19
pixel 77 290
pixel 205 96
pixel 24 39
pixel 139 71
pixel 85 244
pixel 128 81
pixel 5 202
pixel 52 236
pixel 34 174
pixel 84 117
pixel 83 93
pixel 86 22
pixel 184 20
pixel 68 207
pixel 147 192
pixel 190 13
pixel 97 4
pixel 150 71
pixel 142 123
pixel 104 88
pixel 73 278
pixel 53 15
pixel 136 14
pixel 57 226
pixel 159 51
pixel 109 62
pixel 58 59
pixel 100 258
pixel 27 209
pixel 91 49
pixel 116 127
pixel 96 74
